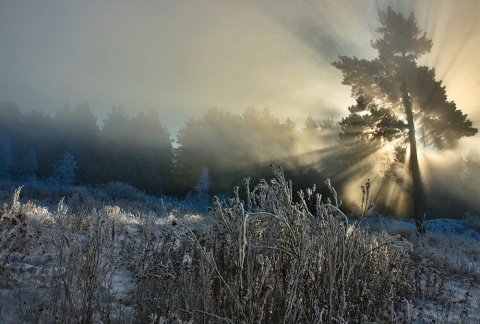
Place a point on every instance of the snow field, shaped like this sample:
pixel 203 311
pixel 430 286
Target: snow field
pixel 121 262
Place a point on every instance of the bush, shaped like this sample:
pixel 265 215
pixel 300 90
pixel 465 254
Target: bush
pixel 123 191
pixel 264 259
pixel 270 259
pixel 66 169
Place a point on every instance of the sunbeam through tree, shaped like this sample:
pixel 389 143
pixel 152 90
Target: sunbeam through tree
pixel 399 103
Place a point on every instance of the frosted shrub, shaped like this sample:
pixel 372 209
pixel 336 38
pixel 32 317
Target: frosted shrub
pixel 66 168
pixel 273 260
pixel 20 232
pixel 203 186
pixel 12 230
pixel 260 256
pixel 162 268
pixel 120 190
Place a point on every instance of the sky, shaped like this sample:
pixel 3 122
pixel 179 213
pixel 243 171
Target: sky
pixel 183 57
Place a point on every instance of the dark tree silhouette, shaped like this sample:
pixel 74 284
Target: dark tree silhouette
pixel 40 132
pixel 137 150
pixel 399 102
pixel 152 147
pixel 311 127
pixel 113 155
pixel 6 157
pixel 232 147
pixel 78 132
pixel 28 165
pixel 11 118
pixel 213 141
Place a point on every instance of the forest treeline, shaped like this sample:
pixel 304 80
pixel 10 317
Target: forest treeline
pixel 71 145
pixel 138 150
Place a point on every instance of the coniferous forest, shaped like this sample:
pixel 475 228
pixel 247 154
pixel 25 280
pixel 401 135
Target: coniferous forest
pixel 71 146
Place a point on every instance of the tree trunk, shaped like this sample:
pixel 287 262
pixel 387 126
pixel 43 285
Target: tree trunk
pixel 417 192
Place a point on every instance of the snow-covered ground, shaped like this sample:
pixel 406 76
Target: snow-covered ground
pixel 467 228
pixel 451 247
pixel 59 265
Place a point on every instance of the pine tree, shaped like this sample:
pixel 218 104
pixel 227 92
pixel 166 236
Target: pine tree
pixel 66 168
pixel 311 127
pixel 398 102
pixel 204 185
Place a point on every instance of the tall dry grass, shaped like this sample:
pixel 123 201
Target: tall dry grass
pixel 265 255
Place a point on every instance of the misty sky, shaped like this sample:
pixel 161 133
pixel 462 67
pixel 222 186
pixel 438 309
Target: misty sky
pixel 183 57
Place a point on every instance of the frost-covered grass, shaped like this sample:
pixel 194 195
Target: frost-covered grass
pixel 260 256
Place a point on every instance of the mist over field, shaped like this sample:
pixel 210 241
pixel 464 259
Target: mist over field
pixel 184 58
pixel 214 161
pixel 149 93
pixel 70 148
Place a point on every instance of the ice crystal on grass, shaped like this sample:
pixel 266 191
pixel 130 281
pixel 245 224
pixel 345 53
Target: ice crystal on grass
pixel 285 264
pixel 264 255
